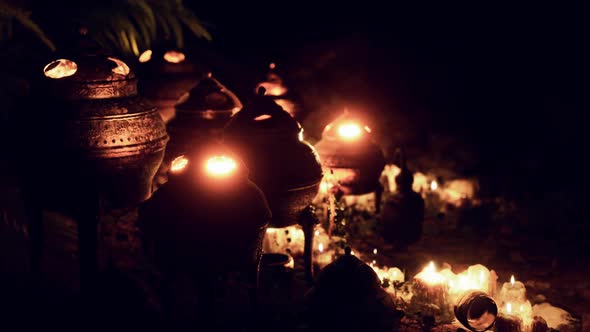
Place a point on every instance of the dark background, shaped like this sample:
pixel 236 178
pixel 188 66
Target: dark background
pixel 506 83
pixel 494 92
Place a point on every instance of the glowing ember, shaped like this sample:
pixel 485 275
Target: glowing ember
pixel 367 129
pixel 178 164
pixel 375 251
pixel 220 166
pixel 174 56
pixel 433 185
pixel 272 65
pixel 262 117
pixel 321 247
pixel 60 68
pixel 121 68
pixel 145 56
pixel 349 131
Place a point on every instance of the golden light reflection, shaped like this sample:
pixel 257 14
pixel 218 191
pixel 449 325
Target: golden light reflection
pixel 60 68
pixel 273 89
pixel 220 166
pixel 178 164
pixel 121 68
pixel 174 56
pixel 349 131
pixel 145 56
pixel 262 117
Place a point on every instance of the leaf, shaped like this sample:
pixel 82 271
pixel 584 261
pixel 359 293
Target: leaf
pixel 9 12
pixel 192 23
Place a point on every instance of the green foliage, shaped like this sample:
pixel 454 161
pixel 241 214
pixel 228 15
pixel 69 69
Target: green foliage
pixel 125 26
pixel 11 14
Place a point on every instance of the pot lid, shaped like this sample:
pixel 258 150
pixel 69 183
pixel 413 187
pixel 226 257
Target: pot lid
pixel 263 117
pixel 89 73
pixel 210 99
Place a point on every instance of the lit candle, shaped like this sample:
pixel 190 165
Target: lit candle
pixel 512 292
pixel 431 293
pixel 323 257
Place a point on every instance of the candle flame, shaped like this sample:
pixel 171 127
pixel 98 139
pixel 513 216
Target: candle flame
pixel 321 247
pixel 349 131
pixel 431 276
pixel 174 56
pixel 145 56
pixel 220 166
pixel 60 68
pixel 433 185
pixel 178 164
pixel 512 280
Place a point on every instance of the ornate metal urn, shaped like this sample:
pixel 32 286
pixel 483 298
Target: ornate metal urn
pixel 282 164
pixel 166 75
pixel 206 221
pixel 201 115
pixel 97 140
pixel 357 162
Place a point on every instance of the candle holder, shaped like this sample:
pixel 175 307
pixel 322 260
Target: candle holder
pixel 476 311
pixel 208 220
pixel 347 149
pixel 430 291
pixel 101 143
pixel 285 167
pixel 166 74
pixel 199 119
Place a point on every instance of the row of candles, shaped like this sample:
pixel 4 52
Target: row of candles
pixel 441 287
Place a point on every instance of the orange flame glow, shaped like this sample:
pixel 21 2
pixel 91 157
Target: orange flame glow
pixel 121 69
pixel 145 56
pixel 220 166
pixel 174 56
pixel 349 131
pixel 179 164
pixel 60 68
pixel 433 185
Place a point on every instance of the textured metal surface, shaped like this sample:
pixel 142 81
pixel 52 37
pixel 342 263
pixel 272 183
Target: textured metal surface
pixel 286 168
pixel 104 137
pixel 195 222
pixel 361 156
pixel 201 115
pixel 164 83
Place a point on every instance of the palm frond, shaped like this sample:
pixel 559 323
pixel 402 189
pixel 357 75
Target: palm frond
pixel 10 13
